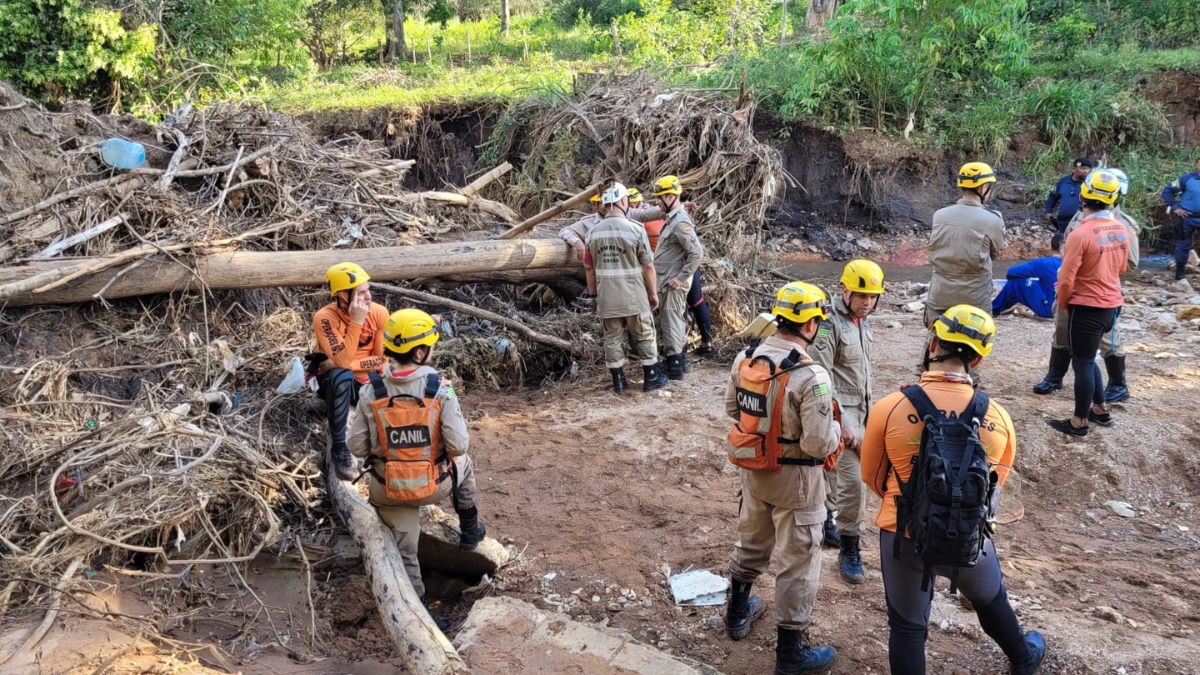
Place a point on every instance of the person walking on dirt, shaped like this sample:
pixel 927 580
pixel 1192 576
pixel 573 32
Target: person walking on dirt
pixel 1182 197
pixel 895 453
pixel 576 233
pixel 1112 347
pixel 1089 291
pixel 620 273
pixel 412 435
pixel 843 347
pixel 785 430
pixel 1065 196
pixel 349 347
pixel 676 259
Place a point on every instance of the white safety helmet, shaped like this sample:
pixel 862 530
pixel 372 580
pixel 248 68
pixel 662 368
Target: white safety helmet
pixel 614 194
pixel 1121 178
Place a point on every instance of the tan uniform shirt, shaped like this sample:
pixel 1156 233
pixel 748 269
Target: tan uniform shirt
pixel 617 249
pixel 679 250
pixel 363 438
pixel 843 347
pixel 1125 219
pixel 808 416
pixel 966 238
pixel 578 230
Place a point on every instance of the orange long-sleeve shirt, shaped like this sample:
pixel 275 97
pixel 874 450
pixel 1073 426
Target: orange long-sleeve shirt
pixel 893 438
pixel 1094 257
pixel 358 347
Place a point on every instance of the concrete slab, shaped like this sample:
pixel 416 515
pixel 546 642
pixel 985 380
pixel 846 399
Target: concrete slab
pixel 506 635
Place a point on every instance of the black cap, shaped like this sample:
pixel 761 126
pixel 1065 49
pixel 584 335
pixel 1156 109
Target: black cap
pixel 1084 161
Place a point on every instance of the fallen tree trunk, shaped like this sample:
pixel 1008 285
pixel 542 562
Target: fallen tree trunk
pixel 488 206
pixel 561 207
pixel 262 269
pixel 419 644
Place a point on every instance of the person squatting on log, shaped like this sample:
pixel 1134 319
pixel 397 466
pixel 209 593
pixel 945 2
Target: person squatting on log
pixel 1089 291
pixel 937 520
pixel 620 273
pixel 1112 347
pixel 843 347
pixel 785 436
pixel 676 260
pixel 1182 197
pixel 576 233
pixel 412 435
pixel 349 347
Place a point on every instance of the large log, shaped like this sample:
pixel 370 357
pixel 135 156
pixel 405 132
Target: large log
pixel 261 269
pixel 420 645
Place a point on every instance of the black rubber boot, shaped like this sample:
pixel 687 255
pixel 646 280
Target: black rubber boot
pixel 743 609
pixel 850 561
pixel 619 382
pixel 470 530
pixel 1060 361
pixel 1115 391
pixel 653 378
pixel 792 656
pixel 683 362
pixel 340 391
pixel 832 538
pixel 674 367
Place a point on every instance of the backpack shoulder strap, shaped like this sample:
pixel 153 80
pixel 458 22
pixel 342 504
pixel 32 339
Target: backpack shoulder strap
pixel 433 383
pixel 920 400
pixel 753 347
pixel 978 409
pixel 377 384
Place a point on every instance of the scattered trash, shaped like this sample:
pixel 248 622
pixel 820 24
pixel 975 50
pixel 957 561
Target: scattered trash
pixel 122 154
pixel 944 624
pixel 699 587
pixel 551 576
pixel 294 382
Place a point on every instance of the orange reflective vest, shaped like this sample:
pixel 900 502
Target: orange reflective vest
pixel 407 430
pixel 756 440
pixel 653 230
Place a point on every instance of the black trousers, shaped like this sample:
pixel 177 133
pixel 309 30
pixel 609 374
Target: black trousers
pixel 339 389
pixel 1086 327
pixel 696 302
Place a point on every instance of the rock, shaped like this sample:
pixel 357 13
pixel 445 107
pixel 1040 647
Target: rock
pixel 1166 321
pixel 438 549
pixel 1182 286
pixel 1130 325
pixel 1123 509
pixel 1164 355
pixel 1110 614
pixel 1187 312
pixel 892 325
pixel 1193 340
pixel 914 307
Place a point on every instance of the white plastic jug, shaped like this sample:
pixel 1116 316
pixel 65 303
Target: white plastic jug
pixel 122 154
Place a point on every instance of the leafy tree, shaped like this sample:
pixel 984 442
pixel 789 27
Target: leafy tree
pixel 58 49
pixel 211 30
pixel 334 26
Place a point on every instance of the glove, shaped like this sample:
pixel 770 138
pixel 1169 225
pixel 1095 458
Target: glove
pixel 314 362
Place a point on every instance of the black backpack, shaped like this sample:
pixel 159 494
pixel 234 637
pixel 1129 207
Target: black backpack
pixel 948 505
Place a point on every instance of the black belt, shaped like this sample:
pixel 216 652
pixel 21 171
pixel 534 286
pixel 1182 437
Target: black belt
pixel 788 461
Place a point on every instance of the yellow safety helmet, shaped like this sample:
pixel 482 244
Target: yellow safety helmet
pixel 863 276
pixel 667 185
pixel 974 174
pixel 595 198
pixel 344 276
pixel 635 197
pixel 408 329
pixel 799 301
pixel 1101 185
pixel 967 325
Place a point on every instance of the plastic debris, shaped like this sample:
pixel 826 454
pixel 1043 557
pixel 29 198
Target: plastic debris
pixel 294 382
pixel 699 587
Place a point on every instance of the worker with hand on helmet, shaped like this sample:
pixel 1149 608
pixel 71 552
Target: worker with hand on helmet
pixel 576 233
pixel 843 347
pixel 411 432
pixel 349 346
pixel 676 259
pixel 620 273
pixel 1112 348
pixel 1089 290
pixel 1065 197
pixel 785 430
pixel 891 447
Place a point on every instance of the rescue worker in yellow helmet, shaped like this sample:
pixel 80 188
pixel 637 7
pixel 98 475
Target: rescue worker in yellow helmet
pixel 965 239
pixel 676 260
pixel 785 429
pixel 349 346
pixel 412 435
pixel 575 234
pixel 897 466
pixel 843 347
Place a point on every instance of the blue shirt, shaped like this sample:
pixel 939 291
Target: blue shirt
pixel 1184 192
pixel 1031 284
pixel 1065 196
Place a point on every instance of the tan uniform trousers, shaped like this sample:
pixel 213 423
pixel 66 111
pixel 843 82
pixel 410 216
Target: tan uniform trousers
pixel 1110 345
pixel 761 527
pixel 404 520
pixel 673 316
pixel 847 495
pixel 641 328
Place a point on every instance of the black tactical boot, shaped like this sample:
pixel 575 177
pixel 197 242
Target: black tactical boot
pixel 674 367
pixel 1060 361
pixel 850 562
pixel 470 530
pixel 792 656
pixel 686 367
pixel 619 382
pixel 1037 652
pixel 832 538
pixel 1115 391
pixel 743 609
pixel 343 461
pixel 653 378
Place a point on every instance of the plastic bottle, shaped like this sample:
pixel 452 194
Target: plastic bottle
pixel 122 154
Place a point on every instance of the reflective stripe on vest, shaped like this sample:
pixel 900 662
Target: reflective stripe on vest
pixel 408 483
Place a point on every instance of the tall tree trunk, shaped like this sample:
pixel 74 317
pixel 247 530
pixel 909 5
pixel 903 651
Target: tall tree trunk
pixel 504 16
pixel 397 42
pixel 820 11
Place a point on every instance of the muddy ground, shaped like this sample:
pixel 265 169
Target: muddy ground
pixel 603 497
